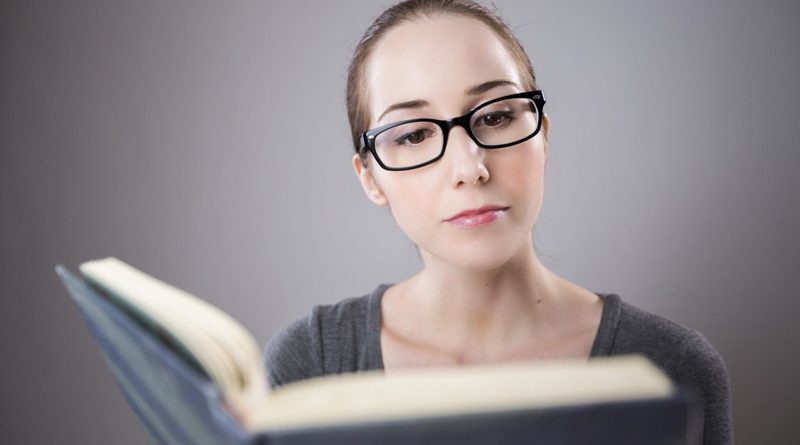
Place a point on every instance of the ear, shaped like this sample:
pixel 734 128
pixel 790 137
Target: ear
pixel 546 131
pixel 374 193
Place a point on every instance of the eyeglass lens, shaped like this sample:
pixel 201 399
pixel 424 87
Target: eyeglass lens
pixel 499 123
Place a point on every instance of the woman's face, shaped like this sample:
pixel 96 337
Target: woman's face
pixel 436 62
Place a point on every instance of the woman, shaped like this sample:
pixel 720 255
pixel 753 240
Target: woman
pixel 467 191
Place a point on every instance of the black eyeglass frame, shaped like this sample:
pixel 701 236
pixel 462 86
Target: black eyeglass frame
pixel 368 137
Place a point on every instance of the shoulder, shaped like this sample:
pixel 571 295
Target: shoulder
pixel 325 341
pixel 687 357
pixel 670 344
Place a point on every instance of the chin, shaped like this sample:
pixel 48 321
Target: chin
pixel 479 256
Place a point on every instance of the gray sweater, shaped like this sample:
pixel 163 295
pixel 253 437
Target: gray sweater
pixel 345 337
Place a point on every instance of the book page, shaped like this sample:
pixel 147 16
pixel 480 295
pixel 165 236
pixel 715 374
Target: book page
pixel 364 397
pixel 223 347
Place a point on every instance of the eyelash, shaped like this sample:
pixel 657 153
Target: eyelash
pixel 401 140
pixel 508 117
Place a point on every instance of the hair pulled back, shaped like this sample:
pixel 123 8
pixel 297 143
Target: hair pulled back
pixel 358 111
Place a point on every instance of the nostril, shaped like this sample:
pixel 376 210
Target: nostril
pixel 467 162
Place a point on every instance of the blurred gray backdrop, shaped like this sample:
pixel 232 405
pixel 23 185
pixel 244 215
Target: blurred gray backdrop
pixel 207 143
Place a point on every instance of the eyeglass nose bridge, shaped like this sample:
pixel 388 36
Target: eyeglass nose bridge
pixel 461 121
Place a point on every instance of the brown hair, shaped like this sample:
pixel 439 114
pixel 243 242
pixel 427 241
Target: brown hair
pixel 406 11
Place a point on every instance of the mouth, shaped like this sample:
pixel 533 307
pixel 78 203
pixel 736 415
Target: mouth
pixel 478 217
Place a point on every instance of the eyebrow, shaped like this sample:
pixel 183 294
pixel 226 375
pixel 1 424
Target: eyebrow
pixel 417 103
pixel 471 91
pixel 486 86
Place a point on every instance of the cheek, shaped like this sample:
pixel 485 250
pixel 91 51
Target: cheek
pixel 411 202
pixel 525 166
pixel 523 173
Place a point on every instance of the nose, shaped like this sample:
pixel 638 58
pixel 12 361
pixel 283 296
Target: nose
pixel 466 160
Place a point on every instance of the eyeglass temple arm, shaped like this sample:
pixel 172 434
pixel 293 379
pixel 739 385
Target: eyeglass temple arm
pixel 362 152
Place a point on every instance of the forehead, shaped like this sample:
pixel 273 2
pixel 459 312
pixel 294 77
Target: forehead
pixel 435 59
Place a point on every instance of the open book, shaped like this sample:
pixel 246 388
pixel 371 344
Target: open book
pixel 194 375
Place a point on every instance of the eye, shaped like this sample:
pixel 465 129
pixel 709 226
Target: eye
pixel 412 137
pixel 495 119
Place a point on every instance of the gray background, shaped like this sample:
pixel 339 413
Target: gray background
pixel 207 143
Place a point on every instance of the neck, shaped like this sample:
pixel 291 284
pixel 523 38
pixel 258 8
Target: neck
pixel 492 304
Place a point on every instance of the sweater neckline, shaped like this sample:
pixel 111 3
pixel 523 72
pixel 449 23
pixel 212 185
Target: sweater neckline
pixel 601 346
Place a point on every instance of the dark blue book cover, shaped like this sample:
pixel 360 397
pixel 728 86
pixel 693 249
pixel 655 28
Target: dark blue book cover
pixel 174 401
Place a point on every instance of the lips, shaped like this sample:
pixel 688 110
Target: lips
pixel 476 217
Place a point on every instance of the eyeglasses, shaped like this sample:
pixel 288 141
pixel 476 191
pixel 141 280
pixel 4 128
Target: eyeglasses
pixel 414 143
